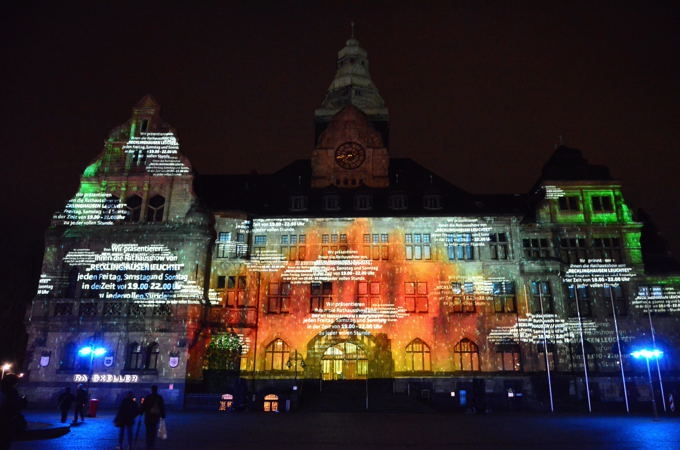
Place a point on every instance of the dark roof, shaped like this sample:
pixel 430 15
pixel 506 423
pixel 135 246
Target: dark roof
pixel 270 194
pixel 569 164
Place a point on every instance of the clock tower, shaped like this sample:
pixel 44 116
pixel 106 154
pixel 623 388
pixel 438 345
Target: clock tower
pixel 352 126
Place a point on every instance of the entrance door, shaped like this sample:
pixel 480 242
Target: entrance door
pixel 344 361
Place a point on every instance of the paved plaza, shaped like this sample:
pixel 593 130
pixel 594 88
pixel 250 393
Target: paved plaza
pixel 364 431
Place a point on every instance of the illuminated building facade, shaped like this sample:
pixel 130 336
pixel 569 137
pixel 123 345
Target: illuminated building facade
pixel 350 265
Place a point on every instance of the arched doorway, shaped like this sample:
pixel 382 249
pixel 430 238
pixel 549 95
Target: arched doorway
pixel 344 361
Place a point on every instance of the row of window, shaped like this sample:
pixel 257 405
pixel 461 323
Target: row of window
pixel 111 309
pixel 459 247
pixel 364 202
pixel 138 357
pixel 598 203
pixel 154 211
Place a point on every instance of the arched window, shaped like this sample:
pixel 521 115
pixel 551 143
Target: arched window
pixel 152 356
pixel 271 403
pixel 135 357
pixel 154 211
pixel 418 356
pixel 466 355
pixel 276 355
pixel 133 206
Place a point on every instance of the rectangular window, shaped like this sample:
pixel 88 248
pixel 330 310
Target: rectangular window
pixel 235 295
pixel 418 246
pixel 607 248
pixel 542 298
pixel 221 282
pixel 368 293
pixel 459 246
pixel 569 203
pixel 617 294
pixel 415 296
pixel 584 301
pixel 292 247
pixel 498 246
pixel 321 294
pixel 504 299
pixel 602 203
pixel 463 297
pixel 536 248
pixel 376 246
pixel 279 298
pixel 573 249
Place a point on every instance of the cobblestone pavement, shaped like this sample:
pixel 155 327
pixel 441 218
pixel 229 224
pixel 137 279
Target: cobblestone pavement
pixel 368 431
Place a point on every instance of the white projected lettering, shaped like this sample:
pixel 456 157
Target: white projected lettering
pixel 458 227
pixel 337 265
pixel 278 225
pixel 553 192
pixel 159 152
pixel 91 208
pixel 105 378
pixel 352 317
pixel 657 299
pixel 45 285
pixel 267 261
pixel 598 273
pixel 132 271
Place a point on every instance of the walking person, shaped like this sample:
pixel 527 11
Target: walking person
pixel 125 419
pixel 81 403
pixel 64 403
pixel 153 408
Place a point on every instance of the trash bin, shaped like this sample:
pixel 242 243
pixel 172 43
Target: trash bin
pixel 92 411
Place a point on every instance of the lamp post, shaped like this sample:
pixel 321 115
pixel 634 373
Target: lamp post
pixel 91 351
pixel 5 368
pixel 647 355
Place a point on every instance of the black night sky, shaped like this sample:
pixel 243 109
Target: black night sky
pixel 478 91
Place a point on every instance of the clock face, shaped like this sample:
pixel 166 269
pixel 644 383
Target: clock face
pixel 350 155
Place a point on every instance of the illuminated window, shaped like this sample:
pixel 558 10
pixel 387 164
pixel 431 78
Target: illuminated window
pixel 376 246
pixel 279 298
pixel 259 243
pixel 418 356
pixel 134 359
pixel 573 249
pixel 154 211
pixel 368 293
pixel 498 246
pixel 235 295
pixel 398 202
pixel 133 206
pixel 536 248
pixel 504 300
pixel 463 297
pixel 292 246
pixel 298 202
pixel 418 246
pixel 432 201
pixel 466 356
pixel 541 298
pixel 602 203
pixel 110 211
pixel 271 403
pixel 580 300
pixel 415 296
pixel 607 248
pixel 569 203
pixel 227 248
pixel 363 202
pixel 152 352
pixel 459 246
pixel 275 355
pixel 507 356
pixel 321 294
